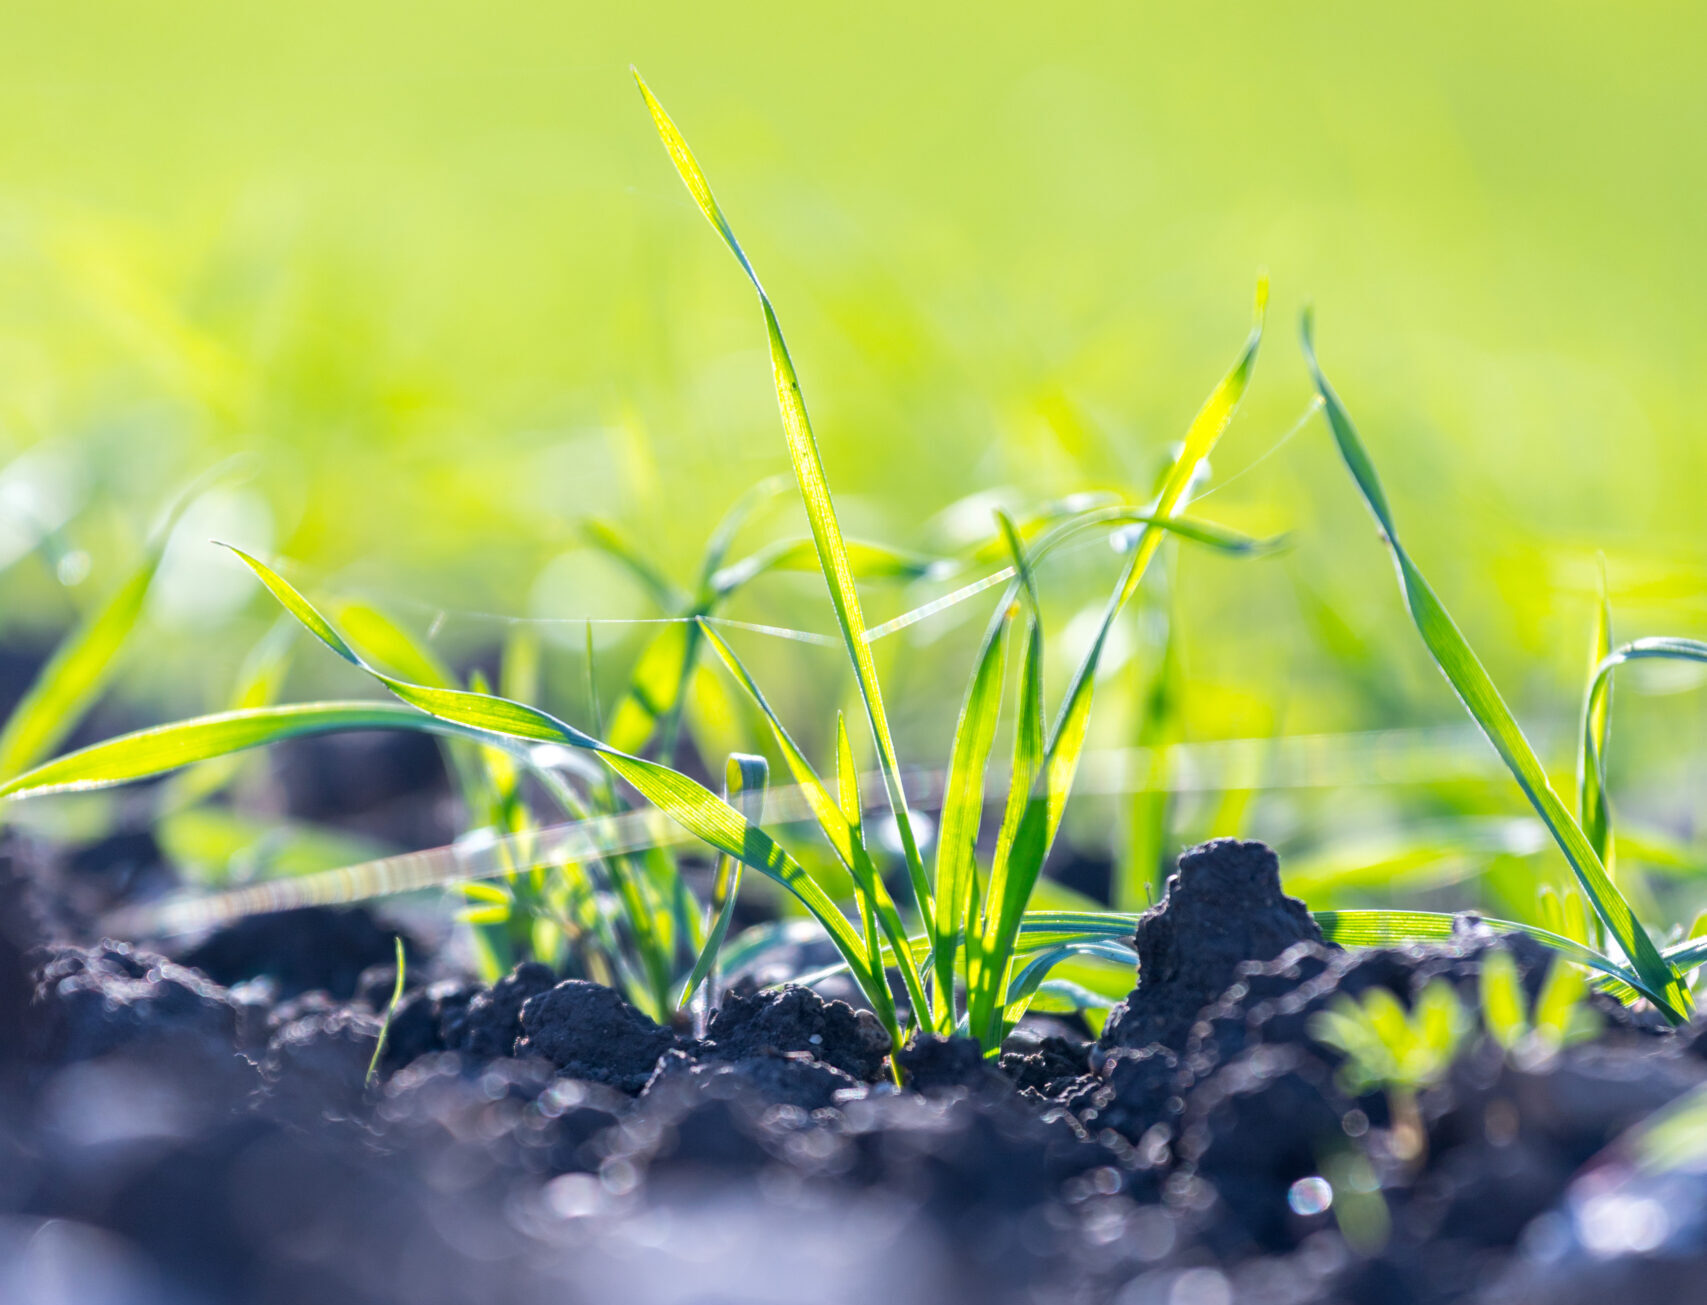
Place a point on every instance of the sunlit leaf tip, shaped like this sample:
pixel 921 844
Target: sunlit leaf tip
pixel 296 604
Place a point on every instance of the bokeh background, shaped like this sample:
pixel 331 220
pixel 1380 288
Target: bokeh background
pixel 428 267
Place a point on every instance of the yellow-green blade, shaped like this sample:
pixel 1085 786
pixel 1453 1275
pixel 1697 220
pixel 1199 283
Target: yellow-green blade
pixel 163 748
pixel 815 492
pixel 1470 681
pixel 684 800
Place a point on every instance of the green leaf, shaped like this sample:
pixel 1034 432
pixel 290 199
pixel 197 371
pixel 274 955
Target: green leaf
pixel 1453 655
pixel 1377 928
pixel 962 812
pixel 685 801
pixel 843 835
pixel 746 778
pixel 163 748
pixel 1503 1013
pixel 1597 720
pixel 1014 865
pixel 815 492
pixel 390 1010
pixel 75 675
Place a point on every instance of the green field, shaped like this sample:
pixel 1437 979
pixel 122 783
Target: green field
pixel 430 268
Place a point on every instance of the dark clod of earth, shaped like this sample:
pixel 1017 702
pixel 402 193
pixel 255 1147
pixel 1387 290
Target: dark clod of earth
pixel 200 1130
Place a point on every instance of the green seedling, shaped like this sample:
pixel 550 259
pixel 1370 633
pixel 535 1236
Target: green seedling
pixel 1632 954
pixel 1388 1048
pixel 1559 1018
pixel 972 937
pixel 390 1010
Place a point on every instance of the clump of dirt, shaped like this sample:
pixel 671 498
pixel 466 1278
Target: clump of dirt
pixel 537 1140
pixel 1222 907
pixel 489 1024
pixel 796 1019
pixel 589 1032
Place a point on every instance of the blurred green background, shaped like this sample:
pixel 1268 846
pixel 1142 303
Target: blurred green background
pixel 430 266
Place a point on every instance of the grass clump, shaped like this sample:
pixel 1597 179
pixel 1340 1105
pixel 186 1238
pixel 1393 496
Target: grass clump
pixel 954 945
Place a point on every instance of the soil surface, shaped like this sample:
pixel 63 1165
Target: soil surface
pixel 198 1130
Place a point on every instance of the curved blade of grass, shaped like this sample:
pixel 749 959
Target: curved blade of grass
pixel 1453 655
pixel 390 1010
pixel 1067 739
pixel 844 837
pixel 684 800
pixel 1382 928
pixel 162 748
pixel 746 778
pixel 1030 977
pixel 815 492
pixel 1596 722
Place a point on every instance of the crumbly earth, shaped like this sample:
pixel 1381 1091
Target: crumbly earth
pixel 165 1137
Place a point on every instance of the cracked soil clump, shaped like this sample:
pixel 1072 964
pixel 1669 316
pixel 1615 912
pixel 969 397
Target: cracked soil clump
pixel 1223 906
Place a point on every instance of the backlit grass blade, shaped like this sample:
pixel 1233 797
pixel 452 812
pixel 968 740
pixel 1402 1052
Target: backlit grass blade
pixel 1012 867
pixel 1068 737
pixel 1597 718
pixel 1453 655
pixel 962 811
pixel 1381 928
pixel 1038 825
pixel 844 838
pixel 684 800
pixel 815 492
pixel 390 1010
pixel 74 676
pixel 1596 723
pixel 746 778
pixel 163 748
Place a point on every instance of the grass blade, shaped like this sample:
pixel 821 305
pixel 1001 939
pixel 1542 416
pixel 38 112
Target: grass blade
pixel 1453 655
pixel 1597 720
pixel 75 675
pixel 962 811
pixel 684 800
pixel 746 778
pixel 844 836
pixel 146 753
pixel 390 1010
pixel 815 492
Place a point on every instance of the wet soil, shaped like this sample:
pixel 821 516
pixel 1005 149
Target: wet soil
pixel 200 1129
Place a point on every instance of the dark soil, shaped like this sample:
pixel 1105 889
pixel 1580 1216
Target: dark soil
pixel 200 1131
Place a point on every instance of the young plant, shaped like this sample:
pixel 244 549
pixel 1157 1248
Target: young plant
pixel 1635 959
pixel 966 933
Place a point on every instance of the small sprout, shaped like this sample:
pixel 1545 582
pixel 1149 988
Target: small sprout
pixel 390 1010
pixel 1387 1047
